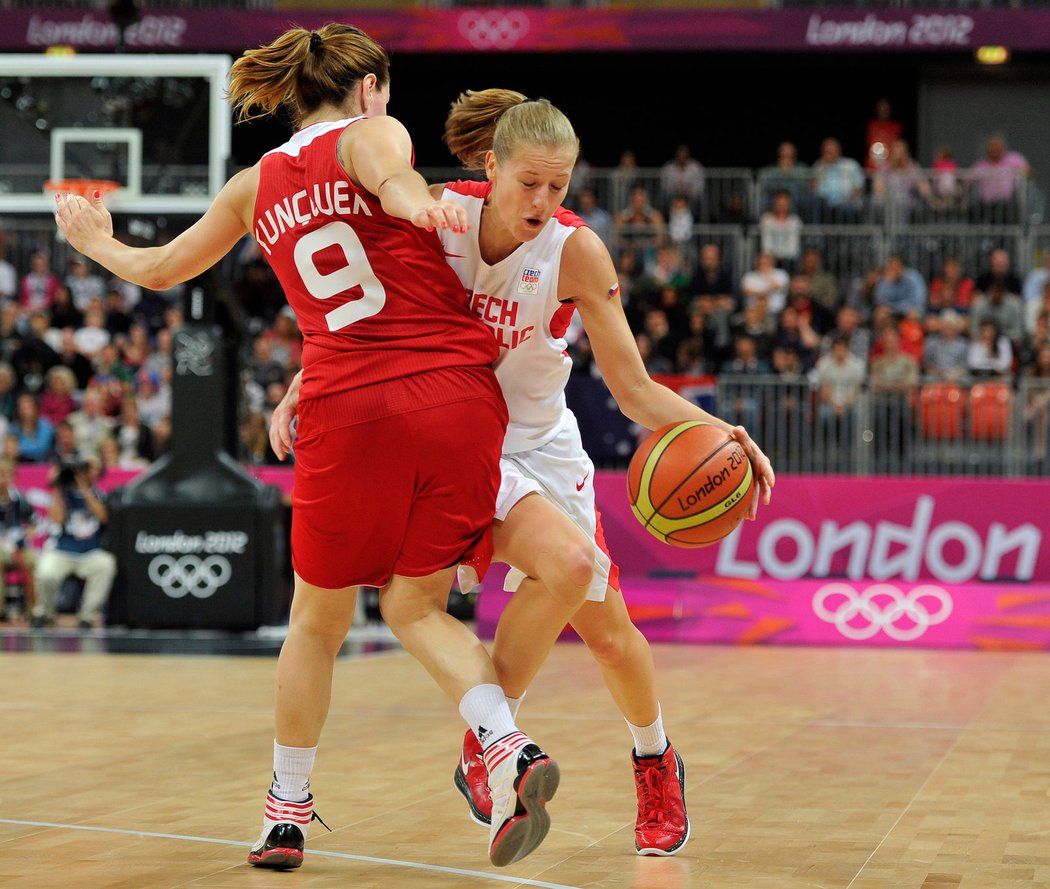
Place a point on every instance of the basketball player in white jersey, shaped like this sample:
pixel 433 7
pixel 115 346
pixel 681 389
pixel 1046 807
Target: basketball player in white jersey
pixel 529 264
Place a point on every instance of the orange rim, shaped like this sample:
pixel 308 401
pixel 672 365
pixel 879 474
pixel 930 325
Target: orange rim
pixel 83 187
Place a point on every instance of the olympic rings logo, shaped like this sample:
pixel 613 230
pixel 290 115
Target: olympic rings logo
pixel 493 29
pixel 190 574
pixel 902 616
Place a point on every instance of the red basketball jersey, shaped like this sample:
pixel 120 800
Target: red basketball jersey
pixel 374 297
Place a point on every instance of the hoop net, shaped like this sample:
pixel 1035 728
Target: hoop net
pixel 83 187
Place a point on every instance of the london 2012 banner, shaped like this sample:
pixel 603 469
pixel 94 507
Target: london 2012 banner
pixel 947 563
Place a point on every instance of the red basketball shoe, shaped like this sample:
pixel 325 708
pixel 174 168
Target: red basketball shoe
pixel 662 827
pixel 472 780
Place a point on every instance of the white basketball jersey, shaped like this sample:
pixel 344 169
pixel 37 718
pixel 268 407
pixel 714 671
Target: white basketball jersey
pixel 518 298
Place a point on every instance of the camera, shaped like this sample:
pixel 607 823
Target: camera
pixel 68 472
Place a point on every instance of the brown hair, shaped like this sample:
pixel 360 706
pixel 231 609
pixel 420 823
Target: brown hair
pixel 500 120
pixel 302 70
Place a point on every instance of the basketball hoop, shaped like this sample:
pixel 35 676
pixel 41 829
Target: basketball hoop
pixel 86 188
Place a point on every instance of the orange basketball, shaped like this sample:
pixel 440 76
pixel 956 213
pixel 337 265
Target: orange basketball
pixel 689 484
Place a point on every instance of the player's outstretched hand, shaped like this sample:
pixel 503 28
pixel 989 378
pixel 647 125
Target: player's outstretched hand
pixel 760 466
pixel 83 221
pixel 281 433
pixel 441 214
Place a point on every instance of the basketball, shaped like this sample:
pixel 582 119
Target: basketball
pixel 689 484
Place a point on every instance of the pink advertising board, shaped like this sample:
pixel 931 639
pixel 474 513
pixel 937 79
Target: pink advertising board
pixel 937 563
pixel 946 563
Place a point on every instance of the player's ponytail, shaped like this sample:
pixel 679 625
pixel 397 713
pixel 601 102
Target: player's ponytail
pixel 302 70
pixel 502 121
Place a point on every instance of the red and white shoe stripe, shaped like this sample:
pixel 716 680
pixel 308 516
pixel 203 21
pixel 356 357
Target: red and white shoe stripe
pixel 498 751
pixel 281 811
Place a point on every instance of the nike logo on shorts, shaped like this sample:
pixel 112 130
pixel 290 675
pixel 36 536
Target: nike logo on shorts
pixel 579 485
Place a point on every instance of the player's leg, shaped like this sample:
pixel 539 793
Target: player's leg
pixel 557 559
pixel 626 661
pixel 317 627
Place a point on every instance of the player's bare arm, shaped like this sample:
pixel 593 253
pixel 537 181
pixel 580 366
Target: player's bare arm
pixel 88 226
pixel 377 155
pixel 589 279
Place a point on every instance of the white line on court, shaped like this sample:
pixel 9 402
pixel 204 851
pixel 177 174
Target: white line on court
pixel 393 862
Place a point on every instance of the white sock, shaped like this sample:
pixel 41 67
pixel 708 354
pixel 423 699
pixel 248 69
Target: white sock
pixel 485 709
pixel 515 704
pixel 649 740
pixel 291 772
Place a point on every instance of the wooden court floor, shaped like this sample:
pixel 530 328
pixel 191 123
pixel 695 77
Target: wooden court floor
pixel 831 768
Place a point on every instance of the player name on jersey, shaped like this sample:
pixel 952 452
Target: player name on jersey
pixel 324 199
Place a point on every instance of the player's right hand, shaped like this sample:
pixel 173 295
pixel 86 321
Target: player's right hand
pixel 447 215
pixel 83 221
pixel 281 433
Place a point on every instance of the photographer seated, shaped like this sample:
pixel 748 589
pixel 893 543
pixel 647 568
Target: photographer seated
pixel 78 511
pixel 16 524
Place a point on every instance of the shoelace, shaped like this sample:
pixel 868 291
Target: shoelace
pixel 652 782
pixel 315 817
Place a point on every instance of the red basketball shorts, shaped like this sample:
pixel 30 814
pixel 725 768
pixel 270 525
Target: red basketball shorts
pixel 408 494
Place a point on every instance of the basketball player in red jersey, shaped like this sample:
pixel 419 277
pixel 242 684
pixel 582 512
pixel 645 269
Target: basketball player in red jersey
pixel 400 419
pixel 529 264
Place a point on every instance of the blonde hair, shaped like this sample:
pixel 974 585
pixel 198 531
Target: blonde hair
pixel 302 70
pixel 501 121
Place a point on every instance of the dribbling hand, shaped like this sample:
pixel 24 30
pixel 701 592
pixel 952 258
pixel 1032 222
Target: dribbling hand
pixel 760 466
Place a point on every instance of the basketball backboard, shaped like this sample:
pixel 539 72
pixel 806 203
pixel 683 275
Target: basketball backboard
pixel 158 125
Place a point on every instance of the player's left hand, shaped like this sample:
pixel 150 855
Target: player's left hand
pixel 83 221
pixel 760 466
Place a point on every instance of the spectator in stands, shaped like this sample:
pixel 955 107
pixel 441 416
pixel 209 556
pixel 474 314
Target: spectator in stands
pixel 1035 281
pixel 946 349
pixel 150 311
pixel 680 222
pixel 999 271
pixel 154 400
pixel 63 313
pixel 69 356
pixel 899 187
pixel 8 391
pixel 134 440
pixel 92 336
pixel 951 289
pixel 57 401
pixel 682 177
pixel 624 178
pixel 90 422
pixel 83 283
pixel 78 510
pixel 65 448
pixel 902 288
pixel 597 217
pixel 998 181
pixel 840 375
pixel 159 361
pixel 639 227
pixel 756 321
pixel 136 349
pixel 1034 339
pixel 666 269
pixel 881 133
pixel 654 362
pixel 823 288
pixel 111 377
pixel 286 339
pixel 816 315
pixel 263 368
pixel 1037 411
pixel 8 274
pixel 34 357
pixel 1037 308
pixel 990 353
pixel 947 187
pixel 38 285
pixel 893 371
pixel 713 279
pixel 766 280
pixel 838 184
pixel 1002 308
pixel 794 331
pixel 893 377
pixel 780 230
pixel 701 340
pixel 786 174
pixel 746 360
pixel 662 338
pixel 17 527
pixel 118 318
pixel 35 433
